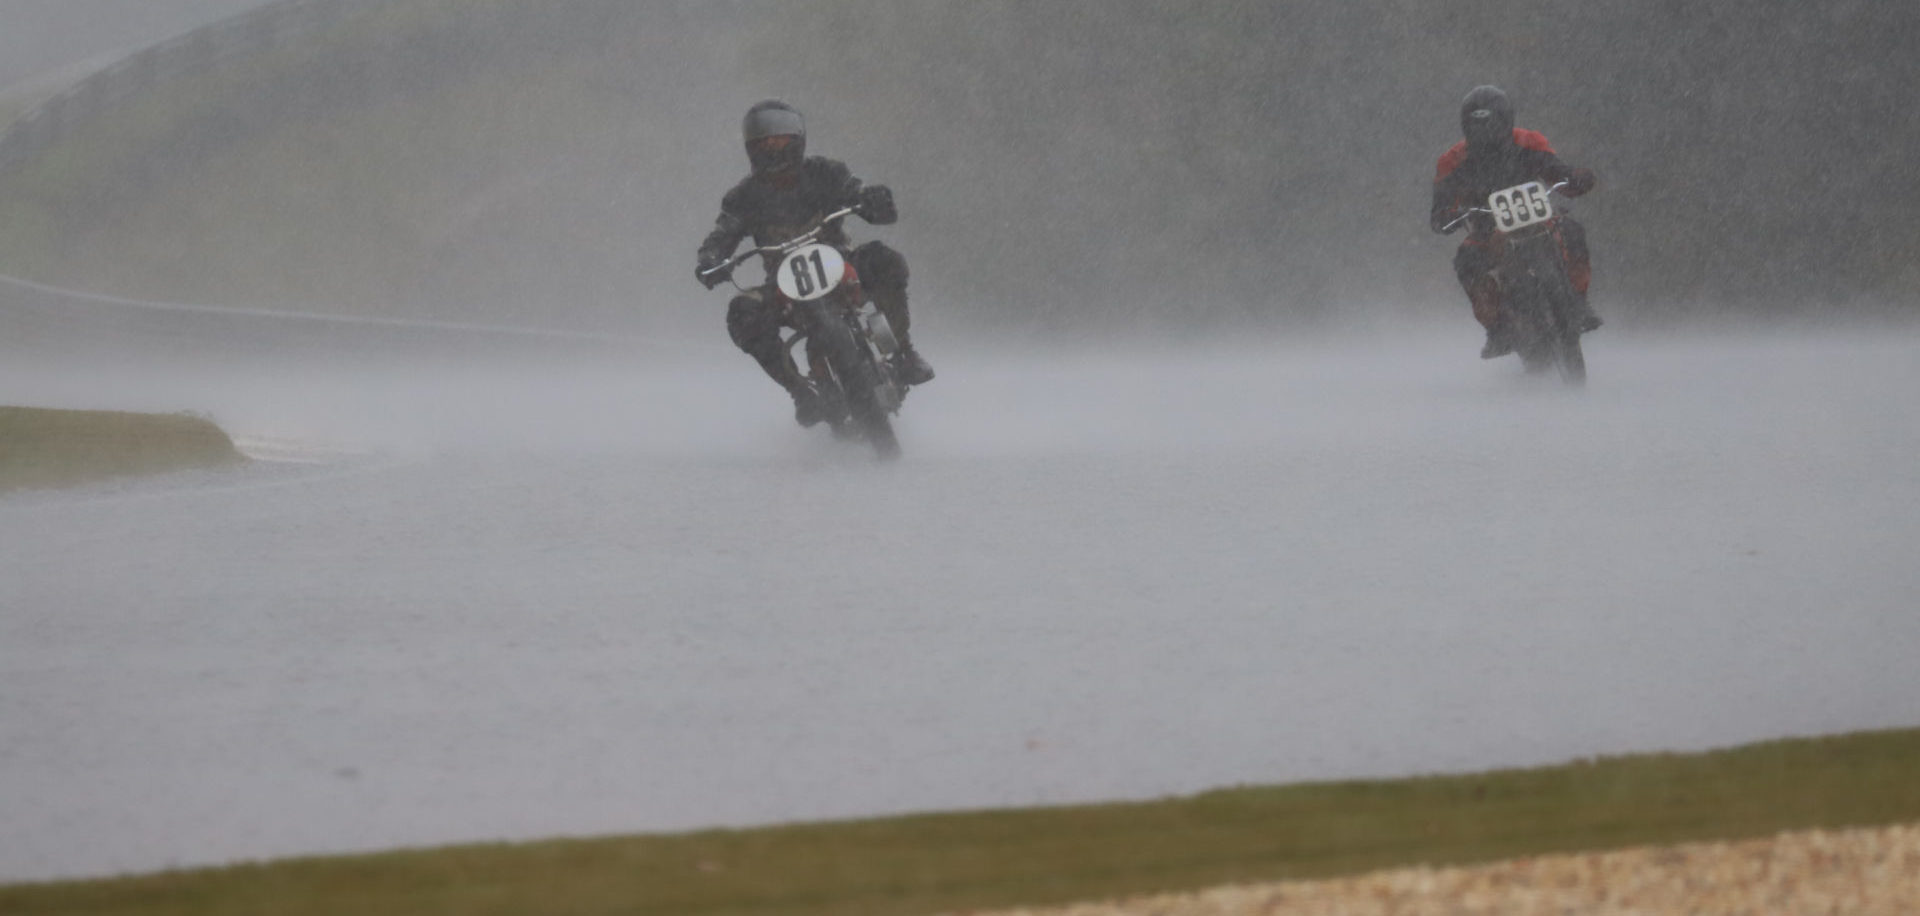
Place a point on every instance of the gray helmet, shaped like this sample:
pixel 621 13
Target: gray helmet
pixel 774 118
pixel 1486 118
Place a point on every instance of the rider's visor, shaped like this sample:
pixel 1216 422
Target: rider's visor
pixel 773 121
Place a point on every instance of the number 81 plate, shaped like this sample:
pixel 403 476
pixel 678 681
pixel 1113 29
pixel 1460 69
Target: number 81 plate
pixel 811 272
pixel 1520 206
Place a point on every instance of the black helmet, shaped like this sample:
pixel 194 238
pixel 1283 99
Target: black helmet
pixel 774 118
pixel 1486 118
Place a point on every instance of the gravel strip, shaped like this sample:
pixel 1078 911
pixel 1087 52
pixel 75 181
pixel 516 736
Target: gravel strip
pixel 1854 872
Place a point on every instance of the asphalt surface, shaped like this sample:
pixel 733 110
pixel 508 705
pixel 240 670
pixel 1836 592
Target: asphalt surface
pixel 508 600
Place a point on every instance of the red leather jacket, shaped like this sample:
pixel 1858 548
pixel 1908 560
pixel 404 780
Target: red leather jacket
pixel 1466 176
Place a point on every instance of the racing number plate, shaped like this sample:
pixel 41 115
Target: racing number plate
pixel 1520 206
pixel 811 272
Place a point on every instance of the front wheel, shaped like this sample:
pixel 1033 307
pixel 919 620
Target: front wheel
pixel 1565 336
pixel 859 381
pixel 1558 350
pixel 1543 301
pixel 1572 361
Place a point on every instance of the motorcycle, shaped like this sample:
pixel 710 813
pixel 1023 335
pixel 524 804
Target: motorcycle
pixel 849 345
pixel 1532 273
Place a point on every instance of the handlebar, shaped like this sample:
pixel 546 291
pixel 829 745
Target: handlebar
pixel 1471 211
pixel 805 238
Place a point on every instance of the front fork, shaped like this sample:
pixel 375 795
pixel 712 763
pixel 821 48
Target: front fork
pixel 1533 277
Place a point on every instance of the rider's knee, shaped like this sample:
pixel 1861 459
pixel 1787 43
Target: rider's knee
pixel 752 324
pixel 1573 239
pixel 1471 263
pixel 1571 230
pixel 880 266
pixel 1484 295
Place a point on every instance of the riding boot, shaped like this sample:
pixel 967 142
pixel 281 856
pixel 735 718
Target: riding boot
pixel 808 407
pixel 1485 296
pixel 1573 244
pixel 1584 318
pixel 908 365
pixel 1498 344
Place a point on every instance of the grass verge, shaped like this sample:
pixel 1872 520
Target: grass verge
pixel 57 448
pixel 941 862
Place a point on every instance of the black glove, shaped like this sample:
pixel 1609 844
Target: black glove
pixel 713 279
pixel 876 205
pixel 1580 182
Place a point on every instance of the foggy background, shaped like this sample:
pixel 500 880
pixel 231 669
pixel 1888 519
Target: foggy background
pixel 1070 168
pixel 490 586
pixel 38 36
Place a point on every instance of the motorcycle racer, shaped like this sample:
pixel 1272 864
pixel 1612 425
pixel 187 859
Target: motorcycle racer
pixel 1495 155
pixel 785 193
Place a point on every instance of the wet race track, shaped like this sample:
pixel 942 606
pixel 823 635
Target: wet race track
pixel 481 602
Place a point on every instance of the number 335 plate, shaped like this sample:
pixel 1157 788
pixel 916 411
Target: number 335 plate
pixel 811 272
pixel 1520 205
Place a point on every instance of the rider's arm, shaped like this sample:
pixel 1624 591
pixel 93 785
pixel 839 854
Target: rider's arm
pixel 873 203
pixel 1449 198
pixel 1579 181
pixel 727 232
pixel 1548 166
pixel 1447 207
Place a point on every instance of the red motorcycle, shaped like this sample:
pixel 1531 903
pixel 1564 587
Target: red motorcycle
pixel 1534 286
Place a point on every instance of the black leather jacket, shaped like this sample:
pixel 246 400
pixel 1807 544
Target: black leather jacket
pixel 772 214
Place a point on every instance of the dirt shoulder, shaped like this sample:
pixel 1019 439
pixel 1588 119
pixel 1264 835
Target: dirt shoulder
pixel 1859 872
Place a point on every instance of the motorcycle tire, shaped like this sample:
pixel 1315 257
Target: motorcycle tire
pixel 1551 341
pixel 1571 360
pixel 1568 358
pixel 854 370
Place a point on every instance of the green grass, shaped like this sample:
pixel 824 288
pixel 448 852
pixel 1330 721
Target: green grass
pixel 942 862
pixel 58 448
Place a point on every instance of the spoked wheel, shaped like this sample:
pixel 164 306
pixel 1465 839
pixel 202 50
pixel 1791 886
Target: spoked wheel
pixel 1564 338
pixel 1538 345
pixel 866 414
pixel 1536 360
pixel 1548 340
pixel 1572 361
pixel 880 435
pixel 1560 352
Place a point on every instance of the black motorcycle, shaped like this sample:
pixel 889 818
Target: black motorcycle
pixel 849 345
pixel 1532 273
